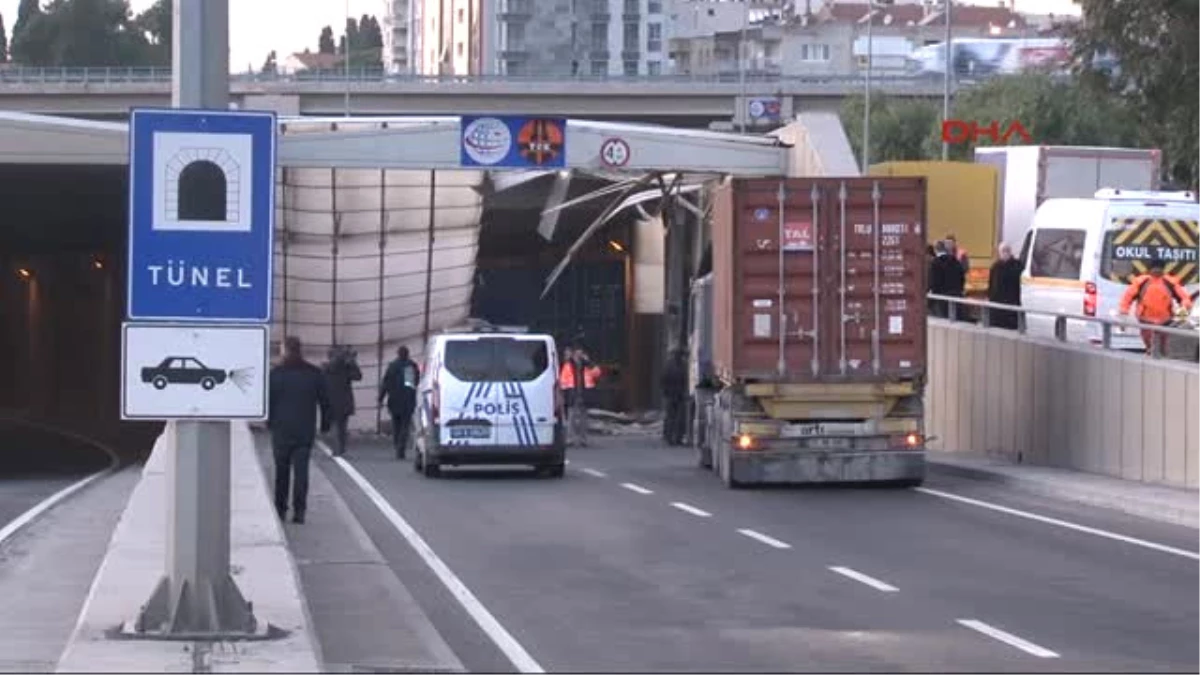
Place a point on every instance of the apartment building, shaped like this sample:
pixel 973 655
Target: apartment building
pixel 397 38
pixel 544 37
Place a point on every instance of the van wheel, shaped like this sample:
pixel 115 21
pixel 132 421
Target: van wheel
pixel 430 469
pixel 553 470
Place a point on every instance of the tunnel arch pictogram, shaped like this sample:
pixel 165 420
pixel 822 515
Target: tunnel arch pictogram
pixel 203 184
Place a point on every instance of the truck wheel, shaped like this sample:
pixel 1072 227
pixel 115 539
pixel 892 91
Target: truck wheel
pixel 208 383
pixel 160 382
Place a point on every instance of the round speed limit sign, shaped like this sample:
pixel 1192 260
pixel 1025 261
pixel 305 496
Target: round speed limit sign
pixel 614 152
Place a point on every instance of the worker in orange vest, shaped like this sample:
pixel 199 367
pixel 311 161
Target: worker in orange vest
pixel 576 377
pixel 1156 295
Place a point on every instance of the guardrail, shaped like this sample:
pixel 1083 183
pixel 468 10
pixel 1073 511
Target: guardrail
pixel 122 75
pixel 958 312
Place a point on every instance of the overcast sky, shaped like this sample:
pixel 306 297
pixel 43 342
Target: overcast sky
pixel 258 26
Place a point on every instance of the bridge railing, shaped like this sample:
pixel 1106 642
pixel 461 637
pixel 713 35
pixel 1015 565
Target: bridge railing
pixel 124 75
pixel 983 313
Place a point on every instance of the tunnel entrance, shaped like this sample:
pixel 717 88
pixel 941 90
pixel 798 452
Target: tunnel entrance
pixel 62 280
pixel 202 191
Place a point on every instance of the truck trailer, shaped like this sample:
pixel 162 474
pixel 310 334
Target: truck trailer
pixel 1031 174
pixel 808 336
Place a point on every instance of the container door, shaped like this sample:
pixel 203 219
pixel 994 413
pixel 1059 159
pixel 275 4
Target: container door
pixel 874 279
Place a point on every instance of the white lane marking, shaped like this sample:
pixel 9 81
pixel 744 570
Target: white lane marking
pixel 637 488
pixel 488 623
pixel 769 541
pixel 862 578
pixel 691 509
pixel 1008 638
pixel 1062 523
pixel 45 505
pixel 593 472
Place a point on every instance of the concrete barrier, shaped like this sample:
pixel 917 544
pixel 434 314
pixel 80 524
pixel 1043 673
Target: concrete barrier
pixel 1042 402
pixel 261 564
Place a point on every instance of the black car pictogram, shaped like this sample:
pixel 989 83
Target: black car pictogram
pixel 183 370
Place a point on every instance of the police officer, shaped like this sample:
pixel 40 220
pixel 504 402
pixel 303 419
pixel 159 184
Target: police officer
pixel 399 387
pixel 341 371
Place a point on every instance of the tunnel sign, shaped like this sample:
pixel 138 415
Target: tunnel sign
pixel 201 215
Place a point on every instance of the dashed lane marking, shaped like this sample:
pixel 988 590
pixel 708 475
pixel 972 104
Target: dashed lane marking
pixel 1008 638
pixel 769 541
pixel 864 579
pixel 595 473
pixel 688 508
pixel 488 623
pixel 637 488
pixel 1061 523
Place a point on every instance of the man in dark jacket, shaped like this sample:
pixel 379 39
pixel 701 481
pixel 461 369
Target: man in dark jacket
pixel 341 371
pixel 674 388
pixel 399 387
pixel 297 391
pixel 1004 287
pixel 946 277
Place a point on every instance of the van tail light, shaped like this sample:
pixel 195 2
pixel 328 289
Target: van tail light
pixel 558 403
pixel 435 403
pixel 1089 299
pixel 745 442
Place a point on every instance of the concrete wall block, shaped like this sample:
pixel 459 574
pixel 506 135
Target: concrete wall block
pixel 1153 431
pixel 1112 416
pixel 1131 399
pixel 1175 413
pixel 966 390
pixel 1089 455
pixel 982 397
pixel 1193 430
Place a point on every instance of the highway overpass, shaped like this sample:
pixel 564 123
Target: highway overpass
pixel 111 92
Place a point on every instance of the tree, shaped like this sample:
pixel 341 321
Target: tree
pixel 79 33
pixel 29 44
pixel 3 41
pixel 155 25
pixel 899 127
pixel 325 43
pixel 270 66
pixel 1054 112
pixel 1155 45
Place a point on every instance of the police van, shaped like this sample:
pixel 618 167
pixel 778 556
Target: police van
pixel 489 395
pixel 1080 255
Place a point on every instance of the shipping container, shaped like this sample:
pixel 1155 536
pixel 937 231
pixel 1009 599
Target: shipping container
pixel 1031 174
pixel 843 297
pixel 815 309
pixel 962 199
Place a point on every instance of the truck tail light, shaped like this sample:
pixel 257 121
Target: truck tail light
pixel 745 442
pixel 1089 299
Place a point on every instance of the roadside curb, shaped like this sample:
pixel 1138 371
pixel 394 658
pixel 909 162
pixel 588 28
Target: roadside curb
pixel 1154 508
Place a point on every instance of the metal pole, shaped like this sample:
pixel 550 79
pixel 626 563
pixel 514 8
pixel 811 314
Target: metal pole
pixel 429 254
pixel 333 254
pixel 197 597
pixel 946 79
pixel 346 61
pixel 866 137
pixel 379 326
pixel 743 109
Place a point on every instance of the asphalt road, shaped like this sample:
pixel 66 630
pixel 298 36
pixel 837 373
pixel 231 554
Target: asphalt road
pixel 638 561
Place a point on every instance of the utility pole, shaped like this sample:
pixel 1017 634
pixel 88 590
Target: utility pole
pixel 197 597
pixel 743 106
pixel 946 80
pixel 346 62
pixel 866 137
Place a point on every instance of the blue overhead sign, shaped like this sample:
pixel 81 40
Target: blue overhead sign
pixel 513 142
pixel 201 215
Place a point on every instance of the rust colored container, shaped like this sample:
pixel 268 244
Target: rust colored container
pixel 847 286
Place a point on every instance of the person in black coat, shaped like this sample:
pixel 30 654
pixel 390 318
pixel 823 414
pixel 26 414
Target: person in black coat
pixel 1004 287
pixel 399 388
pixel 946 277
pixel 341 372
pixel 674 389
pixel 297 391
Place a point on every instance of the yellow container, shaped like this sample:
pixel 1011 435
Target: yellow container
pixel 962 199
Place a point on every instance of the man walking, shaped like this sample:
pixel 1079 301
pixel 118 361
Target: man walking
pixel 297 391
pixel 399 387
pixel 341 372
pixel 674 389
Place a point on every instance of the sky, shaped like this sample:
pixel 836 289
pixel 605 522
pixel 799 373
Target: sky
pixel 286 26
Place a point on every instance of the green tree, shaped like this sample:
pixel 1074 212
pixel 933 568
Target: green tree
pixel 30 45
pixel 270 66
pixel 80 33
pixel 155 25
pixel 1155 44
pixel 3 41
pixel 1053 111
pixel 325 43
pixel 899 127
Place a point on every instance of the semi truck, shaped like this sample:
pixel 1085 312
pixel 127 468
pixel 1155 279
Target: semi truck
pixel 808 354
pixel 1031 174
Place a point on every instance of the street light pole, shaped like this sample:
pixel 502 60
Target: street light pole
pixel 743 106
pixel 346 61
pixel 866 138
pixel 946 79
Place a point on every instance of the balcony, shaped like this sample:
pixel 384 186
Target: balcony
pixel 515 10
pixel 599 54
pixel 631 55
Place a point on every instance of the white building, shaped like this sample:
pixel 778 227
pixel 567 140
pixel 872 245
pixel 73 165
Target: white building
pixel 397 37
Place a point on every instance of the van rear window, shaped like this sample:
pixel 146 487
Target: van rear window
pixel 496 359
pixel 1132 243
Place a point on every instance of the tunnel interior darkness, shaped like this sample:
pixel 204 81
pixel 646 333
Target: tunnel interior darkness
pixel 202 191
pixel 62 299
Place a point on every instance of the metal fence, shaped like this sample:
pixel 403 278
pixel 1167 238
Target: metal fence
pixel 1180 342
pixel 123 75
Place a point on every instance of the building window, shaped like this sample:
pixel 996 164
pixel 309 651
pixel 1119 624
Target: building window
pixel 631 6
pixel 462 15
pixel 654 68
pixel 631 68
pixel 599 36
pixel 458 49
pixel 814 53
pixel 514 68
pixel 654 38
pixel 599 68
pixel 632 37
pixel 654 7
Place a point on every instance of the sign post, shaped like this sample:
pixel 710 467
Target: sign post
pixel 194 351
